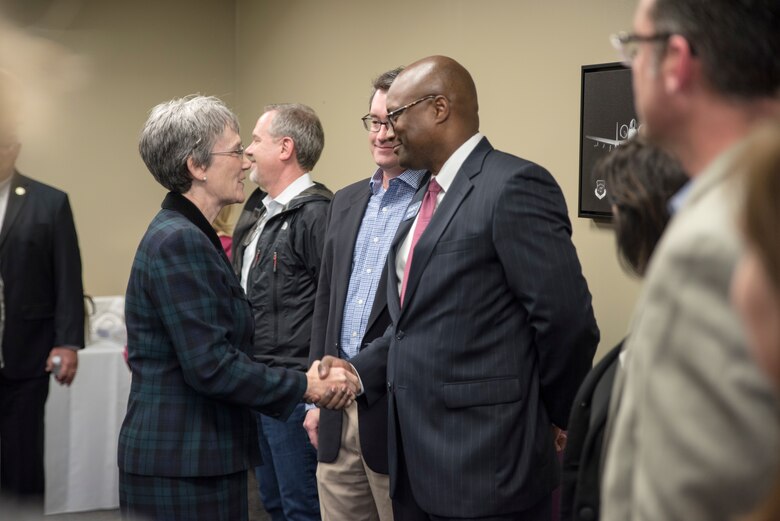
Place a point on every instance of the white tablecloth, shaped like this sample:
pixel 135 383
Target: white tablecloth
pixel 82 429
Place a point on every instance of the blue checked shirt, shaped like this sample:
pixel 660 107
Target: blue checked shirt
pixel 383 214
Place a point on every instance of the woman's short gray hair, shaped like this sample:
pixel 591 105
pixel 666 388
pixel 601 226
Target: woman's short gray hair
pixel 179 129
pixel 300 123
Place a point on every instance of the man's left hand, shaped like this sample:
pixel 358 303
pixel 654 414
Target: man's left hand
pixel 560 438
pixel 70 362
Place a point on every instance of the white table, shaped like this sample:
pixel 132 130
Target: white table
pixel 82 429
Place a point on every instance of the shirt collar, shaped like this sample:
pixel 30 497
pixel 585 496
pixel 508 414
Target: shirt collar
pixel 456 160
pixel 410 177
pixel 4 185
pixel 288 194
pixel 678 199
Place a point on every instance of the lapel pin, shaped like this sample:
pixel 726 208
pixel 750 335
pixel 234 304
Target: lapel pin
pixel 20 190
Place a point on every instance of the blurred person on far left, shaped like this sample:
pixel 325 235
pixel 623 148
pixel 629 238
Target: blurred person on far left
pixel 40 267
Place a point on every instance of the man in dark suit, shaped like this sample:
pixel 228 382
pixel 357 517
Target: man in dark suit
pixel 492 325
pixel 40 266
pixel 351 311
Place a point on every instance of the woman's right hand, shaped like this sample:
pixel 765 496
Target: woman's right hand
pixel 333 386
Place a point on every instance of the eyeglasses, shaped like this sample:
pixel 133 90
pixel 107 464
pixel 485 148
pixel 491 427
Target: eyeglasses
pixel 627 44
pixel 372 124
pixel 239 152
pixel 392 117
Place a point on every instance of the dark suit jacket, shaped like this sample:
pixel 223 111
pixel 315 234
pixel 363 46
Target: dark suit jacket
pixel 344 219
pixel 581 472
pixel 189 326
pixel 41 267
pixel 496 334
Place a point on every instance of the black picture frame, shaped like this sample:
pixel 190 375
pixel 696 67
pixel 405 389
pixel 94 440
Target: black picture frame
pixel 607 118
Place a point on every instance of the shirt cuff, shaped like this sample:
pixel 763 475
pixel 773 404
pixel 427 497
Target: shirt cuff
pixel 360 381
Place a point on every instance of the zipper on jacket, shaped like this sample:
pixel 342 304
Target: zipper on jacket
pixel 275 307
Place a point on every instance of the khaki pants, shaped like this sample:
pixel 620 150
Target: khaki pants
pixel 348 489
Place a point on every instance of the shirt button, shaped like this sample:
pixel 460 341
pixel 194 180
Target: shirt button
pixel 376 239
pixel 360 301
pixel 384 209
pixel 354 333
pixel 368 270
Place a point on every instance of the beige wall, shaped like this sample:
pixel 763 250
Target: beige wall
pixel 525 56
pixel 130 56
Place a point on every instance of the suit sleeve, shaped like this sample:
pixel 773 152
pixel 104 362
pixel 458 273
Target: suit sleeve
pixel 69 298
pixel 371 364
pixel 532 235
pixel 196 304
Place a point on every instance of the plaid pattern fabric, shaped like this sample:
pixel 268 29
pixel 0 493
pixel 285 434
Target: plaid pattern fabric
pixel 188 324
pixel 154 498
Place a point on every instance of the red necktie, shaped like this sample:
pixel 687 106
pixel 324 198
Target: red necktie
pixel 426 212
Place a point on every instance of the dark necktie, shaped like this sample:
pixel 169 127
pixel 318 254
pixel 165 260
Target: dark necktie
pixel 426 212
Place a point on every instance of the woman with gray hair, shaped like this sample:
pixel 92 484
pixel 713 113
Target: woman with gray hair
pixel 188 437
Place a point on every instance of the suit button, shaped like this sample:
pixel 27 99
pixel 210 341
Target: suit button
pixel 587 514
pixel 399 335
pixel 389 387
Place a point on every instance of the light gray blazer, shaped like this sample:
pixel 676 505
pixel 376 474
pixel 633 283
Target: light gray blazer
pixel 694 429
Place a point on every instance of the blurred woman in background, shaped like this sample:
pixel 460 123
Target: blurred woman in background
pixel 640 180
pixel 755 289
pixel 224 229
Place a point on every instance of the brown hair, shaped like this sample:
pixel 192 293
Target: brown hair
pixel 715 31
pixel 640 179
pixel 222 223
pixel 383 82
pixel 761 226
pixel 761 213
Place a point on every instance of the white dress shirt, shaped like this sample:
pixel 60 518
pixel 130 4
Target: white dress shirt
pixel 5 193
pixel 444 178
pixel 273 206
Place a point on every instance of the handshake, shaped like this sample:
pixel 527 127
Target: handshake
pixel 331 383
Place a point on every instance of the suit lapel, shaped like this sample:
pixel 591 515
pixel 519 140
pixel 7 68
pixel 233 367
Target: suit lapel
pixel 17 198
pixel 380 300
pixel 391 279
pixel 453 198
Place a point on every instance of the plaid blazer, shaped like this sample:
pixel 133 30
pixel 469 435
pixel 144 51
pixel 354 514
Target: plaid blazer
pixel 188 325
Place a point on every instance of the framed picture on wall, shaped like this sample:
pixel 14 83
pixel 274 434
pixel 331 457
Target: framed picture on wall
pixel 607 119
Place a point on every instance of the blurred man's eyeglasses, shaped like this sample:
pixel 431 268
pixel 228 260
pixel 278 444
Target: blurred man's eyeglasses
pixel 239 152
pixel 627 44
pixel 373 124
pixel 392 117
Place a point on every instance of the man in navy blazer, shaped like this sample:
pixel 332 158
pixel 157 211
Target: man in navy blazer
pixel 496 330
pixel 350 312
pixel 40 266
